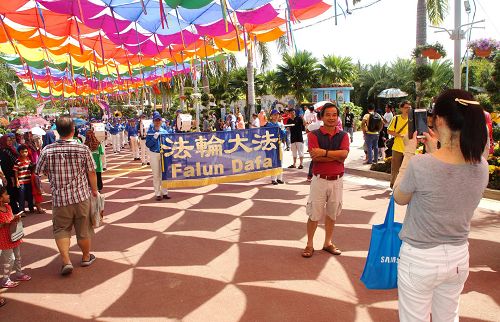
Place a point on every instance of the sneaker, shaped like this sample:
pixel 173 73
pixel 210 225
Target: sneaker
pixel 166 197
pixel 104 169
pixel 274 182
pixel 159 198
pixel 66 269
pixel 9 284
pixel 280 181
pixel 143 163
pixel 292 166
pixel 20 277
pixel 148 163
pixel 88 262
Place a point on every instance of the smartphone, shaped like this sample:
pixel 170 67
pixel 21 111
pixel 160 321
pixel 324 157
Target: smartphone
pixel 417 121
pixel 420 120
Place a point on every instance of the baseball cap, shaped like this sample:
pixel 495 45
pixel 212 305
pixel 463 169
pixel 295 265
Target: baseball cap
pixel 274 112
pixel 156 116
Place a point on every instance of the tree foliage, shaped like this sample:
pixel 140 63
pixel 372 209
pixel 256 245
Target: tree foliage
pixel 297 75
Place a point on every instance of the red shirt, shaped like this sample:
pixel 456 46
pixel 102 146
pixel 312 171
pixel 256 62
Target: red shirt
pixel 327 168
pixel 5 242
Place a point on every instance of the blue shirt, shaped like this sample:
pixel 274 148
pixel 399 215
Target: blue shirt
pixel 152 143
pixel 131 130
pixel 114 129
pixel 282 132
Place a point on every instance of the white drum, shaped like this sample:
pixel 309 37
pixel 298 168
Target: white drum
pixel 183 122
pixel 99 131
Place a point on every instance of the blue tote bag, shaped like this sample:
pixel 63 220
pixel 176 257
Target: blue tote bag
pixel 381 267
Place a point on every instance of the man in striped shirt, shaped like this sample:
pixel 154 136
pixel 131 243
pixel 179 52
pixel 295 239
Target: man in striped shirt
pixel 70 169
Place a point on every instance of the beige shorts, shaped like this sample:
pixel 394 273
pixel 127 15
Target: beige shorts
pixel 325 198
pixel 77 215
pixel 298 148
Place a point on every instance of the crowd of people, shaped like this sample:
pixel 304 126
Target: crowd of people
pixel 442 188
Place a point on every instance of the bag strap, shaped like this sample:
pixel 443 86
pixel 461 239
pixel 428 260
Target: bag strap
pixel 389 216
pixel 402 128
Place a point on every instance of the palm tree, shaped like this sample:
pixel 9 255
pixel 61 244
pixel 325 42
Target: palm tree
pixel 435 10
pixel 297 75
pixel 336 69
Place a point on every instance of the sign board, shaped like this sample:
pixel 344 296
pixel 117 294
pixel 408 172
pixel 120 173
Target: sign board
pixel 100 131
pixel 78 111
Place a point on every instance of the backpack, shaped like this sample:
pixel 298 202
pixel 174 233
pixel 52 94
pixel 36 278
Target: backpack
pixel 374 122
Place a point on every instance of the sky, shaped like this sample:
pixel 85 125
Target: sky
pixel 384 31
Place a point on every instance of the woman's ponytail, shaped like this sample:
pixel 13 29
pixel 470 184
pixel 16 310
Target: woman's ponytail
pixel 462 113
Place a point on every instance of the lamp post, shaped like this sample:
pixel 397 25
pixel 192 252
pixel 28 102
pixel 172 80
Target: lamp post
pixel 14 85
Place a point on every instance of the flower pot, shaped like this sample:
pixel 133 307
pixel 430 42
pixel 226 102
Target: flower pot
pixel 431 53
pixel 482 52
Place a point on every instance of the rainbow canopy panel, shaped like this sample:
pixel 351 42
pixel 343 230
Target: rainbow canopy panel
pixel 66 48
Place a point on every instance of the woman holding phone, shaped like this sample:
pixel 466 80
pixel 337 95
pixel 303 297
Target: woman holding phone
pixel 442 190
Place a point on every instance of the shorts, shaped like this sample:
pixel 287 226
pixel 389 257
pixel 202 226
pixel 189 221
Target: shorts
pixel 325 198
pixel 298 147
pixel 77 215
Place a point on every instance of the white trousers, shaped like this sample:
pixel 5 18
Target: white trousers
pixel 430 281
pixel 134 146
pixel 123 138
pixel 279 176
pixel 156 168
pixel 103 157
pixel 144 151
pixel 115 139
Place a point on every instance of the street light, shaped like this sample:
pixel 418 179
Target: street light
pixel 14 85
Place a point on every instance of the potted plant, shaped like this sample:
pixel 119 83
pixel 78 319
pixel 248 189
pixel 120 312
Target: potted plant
pixel 484 46
pixel 435 51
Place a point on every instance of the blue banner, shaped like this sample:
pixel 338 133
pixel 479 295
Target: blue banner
pixel 203 158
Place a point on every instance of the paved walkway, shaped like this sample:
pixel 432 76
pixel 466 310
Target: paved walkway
pixel 228 252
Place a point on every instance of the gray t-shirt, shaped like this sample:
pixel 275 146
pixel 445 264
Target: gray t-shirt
pixel 444 198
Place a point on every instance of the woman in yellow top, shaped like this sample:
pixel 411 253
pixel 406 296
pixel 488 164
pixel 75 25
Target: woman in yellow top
pixel 398 128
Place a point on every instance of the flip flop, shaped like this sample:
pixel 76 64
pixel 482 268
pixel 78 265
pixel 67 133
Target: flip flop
pixel 308 252
pixel 89 262
pixel 332 249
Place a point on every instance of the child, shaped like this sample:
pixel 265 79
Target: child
pixel 36 189
pixel 97 152
pixel 10 258
pixel 277 179
pixel 22 176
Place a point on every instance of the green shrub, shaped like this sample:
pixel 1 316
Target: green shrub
pixel 496 134
pixel 422 73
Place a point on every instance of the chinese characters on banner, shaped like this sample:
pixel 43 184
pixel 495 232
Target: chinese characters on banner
pixel 198 159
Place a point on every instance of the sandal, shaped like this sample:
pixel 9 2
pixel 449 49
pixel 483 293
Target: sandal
pixel 88 262
pixel 66 269
pixel 292 166
pixel 9 284
pixel 20 277
pixel 308 252
pixel 332 249
pixel 300 167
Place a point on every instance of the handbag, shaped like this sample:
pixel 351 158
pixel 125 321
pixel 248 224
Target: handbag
pixel 96 210
pixel 16 230
pixel 381 267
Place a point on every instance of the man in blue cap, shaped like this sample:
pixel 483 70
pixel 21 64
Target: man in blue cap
pixel 153 143
pixel 276 179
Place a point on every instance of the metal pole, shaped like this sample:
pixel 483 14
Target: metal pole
pixel 467 9
pixel 457 39
pixel 14 85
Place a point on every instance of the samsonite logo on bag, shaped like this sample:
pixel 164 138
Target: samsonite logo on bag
pixel 389 259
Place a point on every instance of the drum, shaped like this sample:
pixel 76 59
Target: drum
pixel 184 122
pixel 99 131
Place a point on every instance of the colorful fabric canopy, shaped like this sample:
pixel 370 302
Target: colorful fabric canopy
pixel 67 48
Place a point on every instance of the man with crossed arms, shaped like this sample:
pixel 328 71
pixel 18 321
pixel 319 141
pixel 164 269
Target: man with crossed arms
pixel 328 147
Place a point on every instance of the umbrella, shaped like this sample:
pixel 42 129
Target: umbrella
pixel 79 121
pixel 27 122
pixel 37 131
pixel 320 104
pixel 392 93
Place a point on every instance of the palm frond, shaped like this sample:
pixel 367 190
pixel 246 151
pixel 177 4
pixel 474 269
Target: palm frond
pixel 437 10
